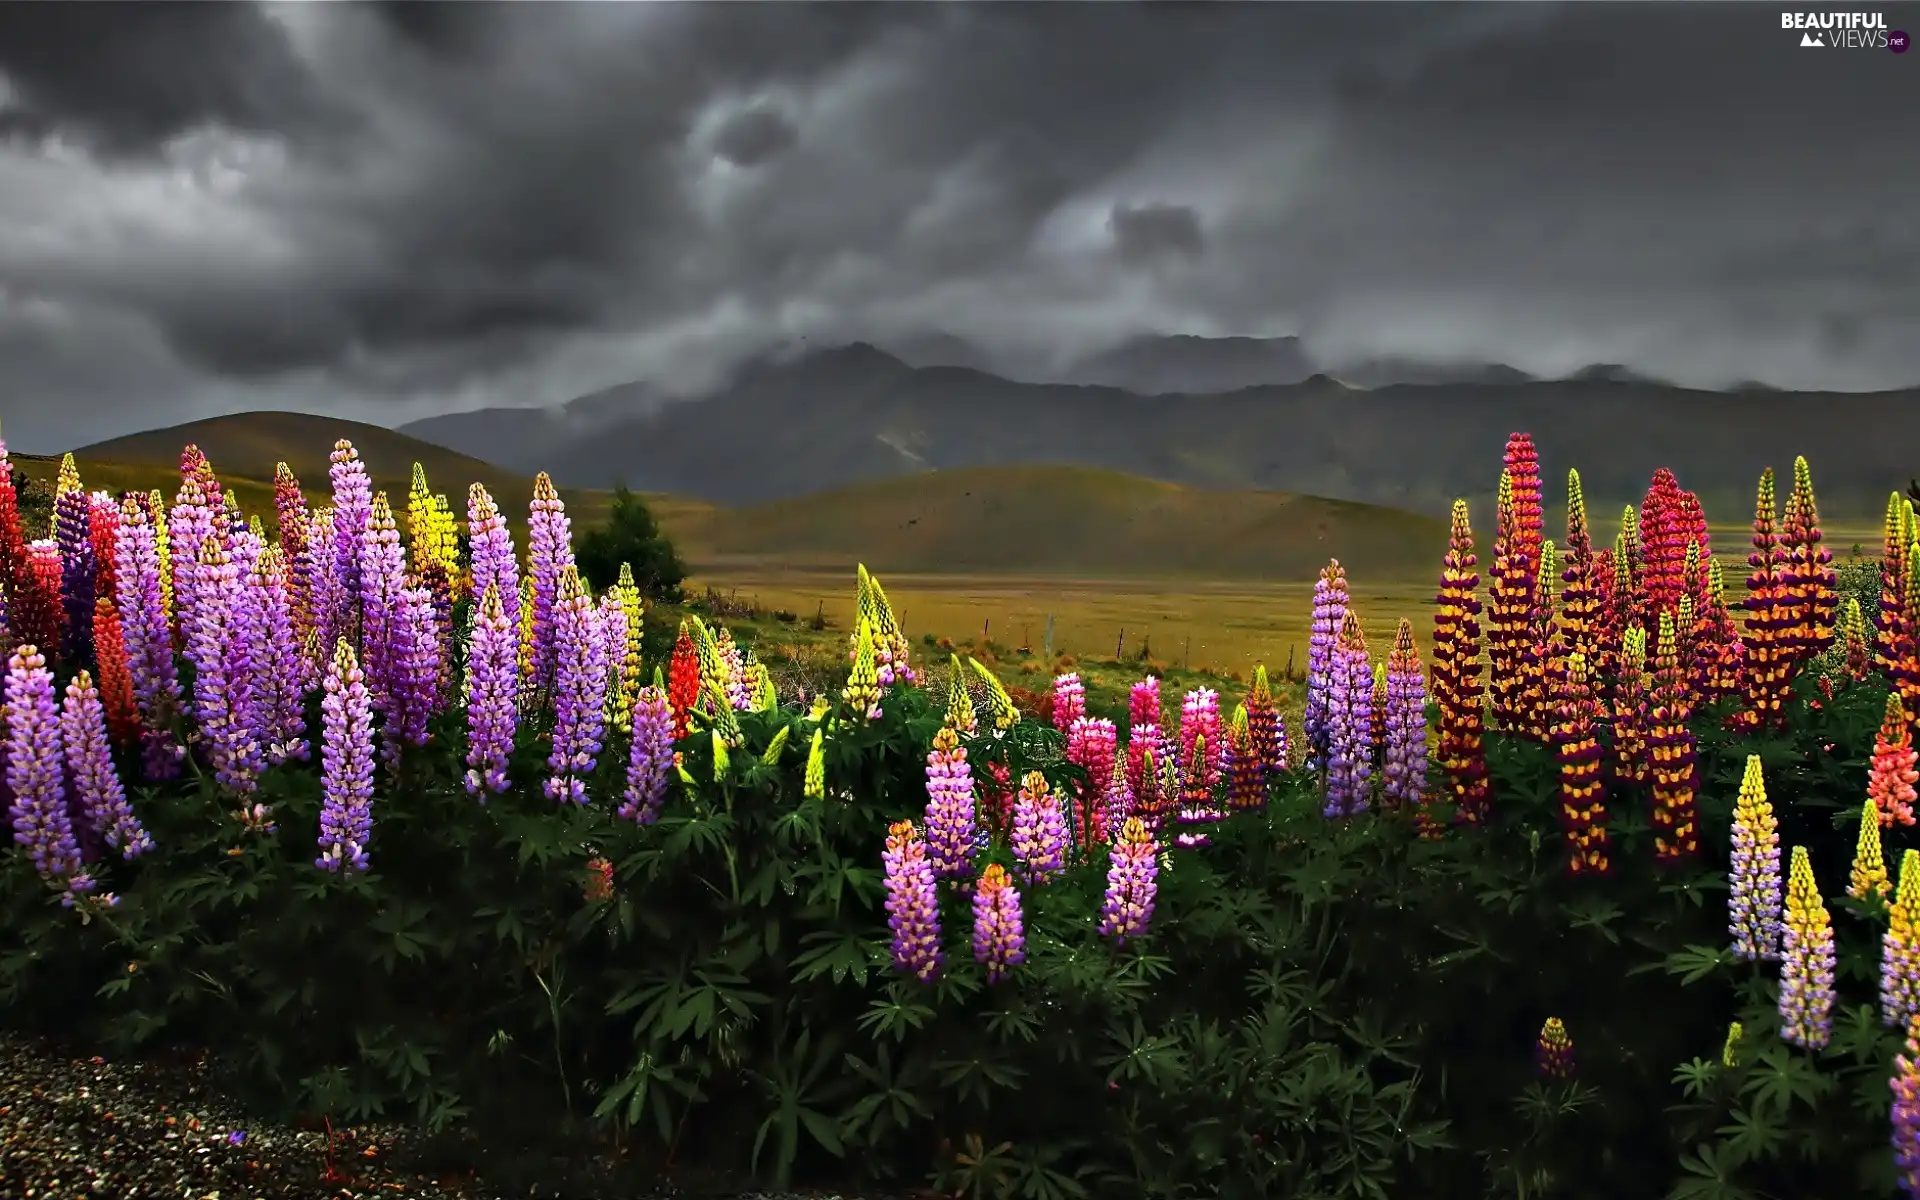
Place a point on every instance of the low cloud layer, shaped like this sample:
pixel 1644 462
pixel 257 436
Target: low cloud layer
pixel 386 211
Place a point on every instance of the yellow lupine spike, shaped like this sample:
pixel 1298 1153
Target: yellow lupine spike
pixel 1730 1052
pixel 777 746
pixel 765 698
pixel 525 658
pixel 960 715
pixel 1716 581
pixel 158 505
pixel 1238 725
pixel 721 760
pixel 863 682
pixel 725 723
pixel 1869 863
pixel 1000 706
pixel 886 626
pixel 256 527
pixel 69 479
pixel 713 666
pixel 1261 696
pixel 1549 567
pixel 814 784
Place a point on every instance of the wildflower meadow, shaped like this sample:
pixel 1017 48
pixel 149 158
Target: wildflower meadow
pixel 1615 894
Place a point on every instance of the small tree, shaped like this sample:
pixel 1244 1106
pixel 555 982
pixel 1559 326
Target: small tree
pixel 630 536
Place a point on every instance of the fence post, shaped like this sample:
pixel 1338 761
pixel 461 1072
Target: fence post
pixel 1049 637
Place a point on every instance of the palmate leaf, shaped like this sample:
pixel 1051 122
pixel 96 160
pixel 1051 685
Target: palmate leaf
pixel 1692 964
pixel 1708 1175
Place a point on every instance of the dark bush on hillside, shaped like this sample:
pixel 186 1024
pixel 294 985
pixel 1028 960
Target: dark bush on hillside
pixel 631 536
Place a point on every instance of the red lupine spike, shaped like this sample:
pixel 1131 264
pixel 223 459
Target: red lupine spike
pixel 116 676
pixel 683 682
pixel 1675 761
pixel 1663 545
pixel 1893 574
pixel 1510 618
pixel 1768 678
pixel 1457 688
pixel 1633 709
pixel 1583 814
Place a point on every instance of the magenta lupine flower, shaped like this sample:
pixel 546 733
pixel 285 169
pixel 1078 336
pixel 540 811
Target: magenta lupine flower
pixel 579 691
pixel 1093 745
pixel 189 525
pixel 1132 883
pixel 149 642
pixel 1405 754
pixel 83 731
pixel 34 774
pixel 999 933
pixel 1200 717
pixel 283 697
pixel 1069 700
pixel 492 679
pixel 549 553
pixel 1143 703
pixel 346 764
pixel 79 571
pixel 1329 615
pixel 649 757
pixel 382 573
pixel 219 690
pixel 1349 724
pixel 913 904
pixel 1143 742
pixel 1905 1117
pixel 1038 832
pixel 490 547
pixel 953 827
pixel 352 515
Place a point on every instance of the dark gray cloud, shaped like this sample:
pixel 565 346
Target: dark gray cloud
pixel 390 210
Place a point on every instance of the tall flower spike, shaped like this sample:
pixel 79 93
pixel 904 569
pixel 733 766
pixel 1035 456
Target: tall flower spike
pixel 1039 835
pixel 1553 1054
pixel 550 552
pixel 1807 961
pixel 1330 600
pixel 42 823
pixel 633 629
pixel 1891 779
pixel 913 904
pixel 1264 726
pixel 961 717
pixel 96 785
pixel 1869 876
pixel 649 757
pixel 1093 743
pixel 683 681
pixel 490 695
pixel 1753 871
pixel 1510 614
pixel 1583 813
pixel 1769 616
pixel 580 678
pixel 1000 706
pixel 814 780
pixel 862 693
pixel 1350 716
pixel 1069 700
pixel 999 934
pixel 1127 910
pixel 346 764
pixel 1458 691
pixel 1404 773
pixel 1890 620
pixel 1246 787
pixel 352 521
pixel 1905 1114
pixel 1900 948
pixel 1675 756
pixel 116 674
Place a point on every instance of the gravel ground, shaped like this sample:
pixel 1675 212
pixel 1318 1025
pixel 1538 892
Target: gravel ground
pixel 78 1128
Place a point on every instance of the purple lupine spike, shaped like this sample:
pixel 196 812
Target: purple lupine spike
pixel 1905 1115
pixel 413 630
pixel 282 675
pixel 1117 800
pixel 613 647
pixel 79 572
pixel 1404 780
pixel 383 572
pixel 549 553
pixel 1349 723
pixel 327 597
pixel 951 824
pixel 579 691
pixel 42 822
pixel 492 678
pixel 248 660
pixel 913 904
pixel 999 932
pixel 216 646
pixel 1329 614
pixel 352 520
pixel 650 757
pixel 490 546
pixel 143 627
pixel 83 730
pixel 1132 883
pixel 346 764
pixel 189 525
pixel 1038 831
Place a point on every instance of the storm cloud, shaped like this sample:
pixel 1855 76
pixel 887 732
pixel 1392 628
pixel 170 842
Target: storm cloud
pixel 386 211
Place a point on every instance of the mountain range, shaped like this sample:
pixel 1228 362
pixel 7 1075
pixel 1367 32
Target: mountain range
pixel 1421 434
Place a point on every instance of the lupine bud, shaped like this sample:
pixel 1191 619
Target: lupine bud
pixel 1264 726
pixel 1807 960
pixel 862 693
pixel 1857 639
pixel 1753 871
pixel 1730 1050
pixel 1197 811
pixel 1769 617
pixel 1675 764
pixel 1200 718
pixel 1132 884
pixel 1869 876
pixel 346 764
pixel 1246 784
pixel 1553 1054
pixel 1900 947
pixel 1890 621
pixel 814 782
pixel 961 717
pixel 1001 711
pixel 913 904
pixel 999 935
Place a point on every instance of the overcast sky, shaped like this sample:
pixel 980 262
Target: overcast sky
pixel 387 212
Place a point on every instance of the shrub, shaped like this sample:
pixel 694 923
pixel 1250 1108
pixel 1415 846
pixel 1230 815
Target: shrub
pixel 629 535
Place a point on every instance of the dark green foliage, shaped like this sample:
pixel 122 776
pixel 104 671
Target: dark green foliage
pixel 630 536
pixel 1323 1009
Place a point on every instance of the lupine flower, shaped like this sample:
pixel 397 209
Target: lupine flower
pixel 1200 718
pixel 1811 599
pixel 1890 783
pixel 42 822
pixel 417 670
pixel 649 756
pixel 1457 688
pixel 1264 726
pixel 143 627
pixel 612 620
pixel 34 611
pixel 490 549
pixel 1093 743
pixel 1553 1053
pixel 1663 543
pixel 1675 760
pixel 1143 744
pixel 1856 639
pixel 1329 615
pixel 122 712
pixel 1900 947
pixel 103 523
pixel 1869 861
pixel 1246 782
pixel 1197 810
pixel 383 573
pixel 1719 654
pixel 1583 811
pixel 79 570
pixel 999 935
pixel 1117 803
pixel 1349 709
pixel 283 701
pixel 326 599
pixel 961 717
pixel 738 674
pixel 890 644
pixel 683 682
pixel 580 679
pixel 1143 703
pixel 217 645
pixel 1512 574
pixel 491 657
pixel 295 522
pixel 1906 669
pixel 1890 621
pixel 1404 742
pixel 952 828
pixel 1807 960
pixel 913 904
pixel 632 628
pixel 1158 798
pixel 1132 884
pixel 83 733
pixel 1905 1115
pixel 346 764
pixel 1753 871
pixel 352 521
pixel 1069 701
pixel 1769 616
pixel 549 553
pixel 1039 833
pixel 813 781
pixel 1632 707
pixel 13 539
pixel 862 693
pixel 1579 607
